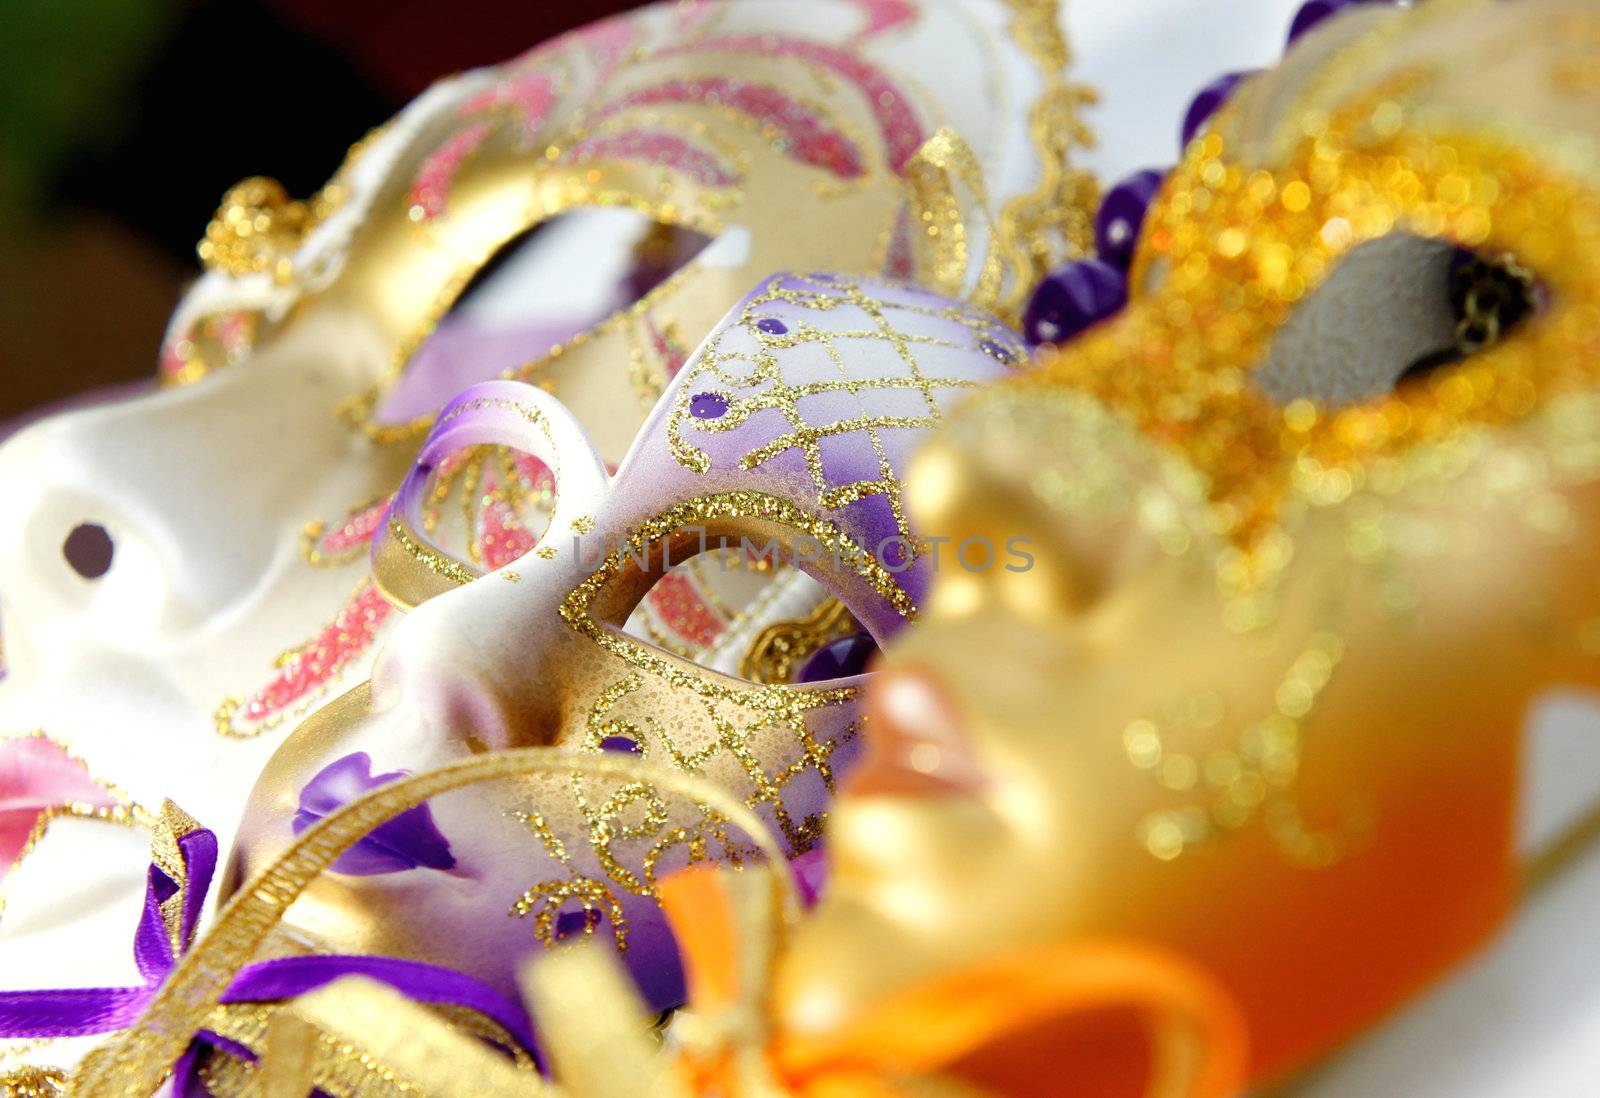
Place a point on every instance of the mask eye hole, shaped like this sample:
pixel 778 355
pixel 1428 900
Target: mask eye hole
pixel 751 615
pixel 1489 297
pixel 736 604
pixel 539 290
pixel 88 550
pixel 1392 310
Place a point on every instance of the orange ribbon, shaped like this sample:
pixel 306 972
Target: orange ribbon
pixel 1094 1019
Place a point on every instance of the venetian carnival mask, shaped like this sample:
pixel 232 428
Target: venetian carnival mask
pixel 228 516
pixel 783 436
pixel 1315 536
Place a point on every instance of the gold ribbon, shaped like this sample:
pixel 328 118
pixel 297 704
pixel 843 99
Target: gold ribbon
pixel 136 1063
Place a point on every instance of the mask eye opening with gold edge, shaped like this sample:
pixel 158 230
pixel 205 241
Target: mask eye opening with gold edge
pixel 1232 256
pixel 1390 312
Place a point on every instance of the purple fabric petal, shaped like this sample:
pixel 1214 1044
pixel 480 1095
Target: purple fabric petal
pixel 408 841
pixel 1072 299
pixel 841 658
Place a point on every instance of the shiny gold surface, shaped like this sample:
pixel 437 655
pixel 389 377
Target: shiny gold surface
pixel 1261 697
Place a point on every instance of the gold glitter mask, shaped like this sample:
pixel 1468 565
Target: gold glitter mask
pixel 1265 696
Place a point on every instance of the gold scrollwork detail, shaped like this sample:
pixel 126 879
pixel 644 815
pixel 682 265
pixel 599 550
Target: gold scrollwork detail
pixel 779 650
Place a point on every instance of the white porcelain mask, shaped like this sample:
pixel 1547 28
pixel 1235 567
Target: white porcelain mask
pixel 233 508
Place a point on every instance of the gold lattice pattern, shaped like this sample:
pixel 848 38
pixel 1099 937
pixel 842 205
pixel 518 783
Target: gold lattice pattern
pixel 757 382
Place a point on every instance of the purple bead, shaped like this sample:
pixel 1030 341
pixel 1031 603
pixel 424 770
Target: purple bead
pixel 1206 102
pixel 708 406
pixel 1073 298
pixel 838 659
pixel 772 326
pixel 1116 223
pixel 1313 12
pixel 620 743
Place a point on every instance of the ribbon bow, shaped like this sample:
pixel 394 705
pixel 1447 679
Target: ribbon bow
pixel 183 864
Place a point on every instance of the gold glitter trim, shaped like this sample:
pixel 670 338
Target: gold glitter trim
pixel 1241 248
pixel 1040 231
pixel 257 228
pixel 942 223
pixel 171 826
pixel 715 508
pixel 33 1082
pixel 440 565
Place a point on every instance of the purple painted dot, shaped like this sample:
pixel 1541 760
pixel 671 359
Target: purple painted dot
pixel 1121 214
pixel 772 326
pixel 570 924
pixel 708 406
pixel 1207 101
pixel 1073 298
pixel 997 351
pixel 838 659
pixel 620 743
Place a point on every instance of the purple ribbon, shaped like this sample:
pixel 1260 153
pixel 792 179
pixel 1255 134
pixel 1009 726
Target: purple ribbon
pixel 77 1012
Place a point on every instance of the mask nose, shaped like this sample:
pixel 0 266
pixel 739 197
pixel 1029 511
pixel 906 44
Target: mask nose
pixel 153 517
